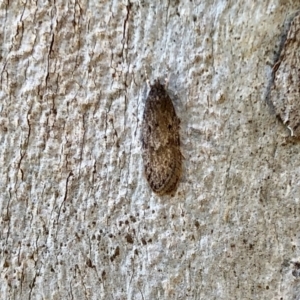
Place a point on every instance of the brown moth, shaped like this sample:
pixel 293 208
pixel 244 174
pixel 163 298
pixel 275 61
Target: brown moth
pixel 285 92
pixel 160 141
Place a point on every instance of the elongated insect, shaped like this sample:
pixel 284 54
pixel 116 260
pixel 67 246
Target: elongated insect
pixel 161 142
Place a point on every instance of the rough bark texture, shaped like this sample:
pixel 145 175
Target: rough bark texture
pixel 78 219
pixel 285 93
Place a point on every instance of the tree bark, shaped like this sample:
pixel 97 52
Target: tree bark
pixel 78 219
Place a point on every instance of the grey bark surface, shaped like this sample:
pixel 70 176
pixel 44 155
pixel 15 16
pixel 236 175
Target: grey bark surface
pixel 78 219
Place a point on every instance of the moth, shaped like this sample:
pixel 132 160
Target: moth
pixel 285 92
pixel 161 153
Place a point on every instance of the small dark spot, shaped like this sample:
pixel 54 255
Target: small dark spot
pixel 117 253
pixel 89 263
pixel 297 265
pixel 133 219
pixel 129 239
pixel 6 264
pixel 103 275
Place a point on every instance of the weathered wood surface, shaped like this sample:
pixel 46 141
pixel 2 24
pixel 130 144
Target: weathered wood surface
pixel 78 219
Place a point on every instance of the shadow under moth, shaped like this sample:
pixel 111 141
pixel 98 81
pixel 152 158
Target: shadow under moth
pixel 161 142
pixel 285 92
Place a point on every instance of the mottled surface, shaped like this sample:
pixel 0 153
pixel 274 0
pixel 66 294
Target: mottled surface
pixel 77 217
pixel 160 141
pixel 285 93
